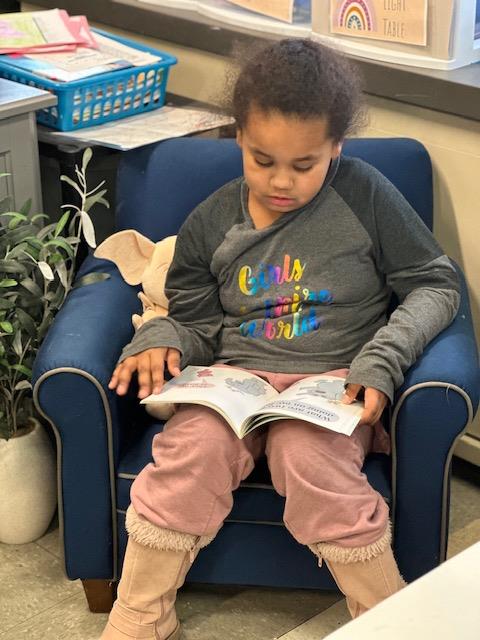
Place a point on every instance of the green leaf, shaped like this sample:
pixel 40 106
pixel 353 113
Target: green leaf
pixel 16 236
pixel 90 278
pixel 87 156
pixel 14 214
pixel 61 223
pixel 6 326
pixel 6 304
pixel 12 266
pixel 22 369
pixel 62 274
pixel 23 384
pixel 105 203
pixel 88 230
pixel 34 242
pixel 26 207
pixel 55 258
pixel 17 344
pixel 32 286
pixel 8 282
pixel 39 216
pixel 26 322
pixel 46 270
pixel 62 244
pixel 97 197
pixel 49 228
pixel 10 214
pixel 73 184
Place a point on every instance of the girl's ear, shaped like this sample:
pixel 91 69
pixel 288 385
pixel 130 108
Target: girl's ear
pixel 238 137
pixel 337 149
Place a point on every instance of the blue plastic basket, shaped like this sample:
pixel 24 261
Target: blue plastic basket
pixel 101 98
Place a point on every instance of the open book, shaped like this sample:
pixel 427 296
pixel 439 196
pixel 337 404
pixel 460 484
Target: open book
pixel 247 401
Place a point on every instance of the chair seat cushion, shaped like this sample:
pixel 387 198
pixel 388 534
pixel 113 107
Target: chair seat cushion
pixel 255 500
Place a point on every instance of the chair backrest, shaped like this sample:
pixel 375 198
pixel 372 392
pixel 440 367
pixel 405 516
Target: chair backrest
pixel 159 185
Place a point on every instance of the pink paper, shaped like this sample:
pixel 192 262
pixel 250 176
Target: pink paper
pixel 84 32
pixel 46 49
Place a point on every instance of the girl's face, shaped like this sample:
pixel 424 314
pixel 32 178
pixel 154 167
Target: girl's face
pixel 285 162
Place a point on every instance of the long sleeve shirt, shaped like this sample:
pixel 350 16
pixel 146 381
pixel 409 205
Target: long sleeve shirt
pixel 311 292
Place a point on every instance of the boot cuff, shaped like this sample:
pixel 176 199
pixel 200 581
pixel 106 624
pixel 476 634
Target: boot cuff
pixel 346 555
pixel 148 534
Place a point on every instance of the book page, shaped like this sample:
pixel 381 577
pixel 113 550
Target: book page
pixel 316 399
pixel 233 393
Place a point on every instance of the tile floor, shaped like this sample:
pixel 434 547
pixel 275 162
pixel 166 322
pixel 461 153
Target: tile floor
pixel 37 602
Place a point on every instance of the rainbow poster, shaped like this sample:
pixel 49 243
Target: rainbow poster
pixel 402 21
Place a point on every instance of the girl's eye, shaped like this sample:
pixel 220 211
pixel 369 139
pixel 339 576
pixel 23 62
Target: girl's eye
pixel 263 163
pixel 303 169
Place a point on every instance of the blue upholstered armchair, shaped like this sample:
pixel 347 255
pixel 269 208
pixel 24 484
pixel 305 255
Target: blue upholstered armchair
pixel 104 441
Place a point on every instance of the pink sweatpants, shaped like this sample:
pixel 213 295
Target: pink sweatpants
pixel 199 461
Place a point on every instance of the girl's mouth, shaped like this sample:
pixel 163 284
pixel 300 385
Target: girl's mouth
pixel 281 201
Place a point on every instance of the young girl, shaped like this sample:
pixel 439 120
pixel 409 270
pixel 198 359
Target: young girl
pixel 305 233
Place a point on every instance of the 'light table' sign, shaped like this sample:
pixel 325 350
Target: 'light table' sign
pixel 403 21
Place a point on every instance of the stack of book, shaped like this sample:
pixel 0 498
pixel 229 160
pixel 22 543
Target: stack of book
pixel 62 48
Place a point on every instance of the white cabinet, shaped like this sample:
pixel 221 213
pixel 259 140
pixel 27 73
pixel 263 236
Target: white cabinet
pixel 18 143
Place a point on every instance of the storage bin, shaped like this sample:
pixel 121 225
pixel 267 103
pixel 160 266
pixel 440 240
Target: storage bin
pixel 452 38
pixel 101 98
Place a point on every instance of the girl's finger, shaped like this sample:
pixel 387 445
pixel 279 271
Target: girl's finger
pixel 173 361
pixel 144 375
pixel 157 367
pixel 351 392
pixel 114 379
pixel 124 375
pixel 375 403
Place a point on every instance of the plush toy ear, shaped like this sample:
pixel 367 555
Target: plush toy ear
pixel 156 273
pixel 130 251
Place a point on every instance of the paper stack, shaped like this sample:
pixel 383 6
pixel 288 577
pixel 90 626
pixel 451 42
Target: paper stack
pixel 62 48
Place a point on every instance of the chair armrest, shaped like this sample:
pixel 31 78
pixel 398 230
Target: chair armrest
pixel 452 357
pixel 70 380
pixel 93 325
pixel 432 409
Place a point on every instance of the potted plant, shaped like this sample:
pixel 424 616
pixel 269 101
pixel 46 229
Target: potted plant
pixel 37 269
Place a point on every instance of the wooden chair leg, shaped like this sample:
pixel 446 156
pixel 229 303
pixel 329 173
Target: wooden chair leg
pixel 101 595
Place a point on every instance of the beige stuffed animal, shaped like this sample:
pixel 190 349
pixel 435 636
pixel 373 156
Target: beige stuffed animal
pixel 144 262
pixel 141 261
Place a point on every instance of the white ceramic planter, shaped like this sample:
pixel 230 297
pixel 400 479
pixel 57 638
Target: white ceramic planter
pixel 28 491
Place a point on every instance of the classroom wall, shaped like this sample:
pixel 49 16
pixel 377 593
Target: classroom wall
pixel 454 146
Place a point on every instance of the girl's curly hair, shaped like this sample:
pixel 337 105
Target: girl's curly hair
pixel 300 77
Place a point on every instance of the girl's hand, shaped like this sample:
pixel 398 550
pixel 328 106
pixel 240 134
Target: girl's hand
pixel 375 402
pixel 150 367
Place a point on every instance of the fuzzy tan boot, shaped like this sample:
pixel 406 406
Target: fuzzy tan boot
pixel 151 576
pixel 365 575
pixel 366 583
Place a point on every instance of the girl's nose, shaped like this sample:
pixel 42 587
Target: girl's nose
pixel 281 180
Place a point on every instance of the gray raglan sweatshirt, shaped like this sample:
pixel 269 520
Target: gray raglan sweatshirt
pixel 310 292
